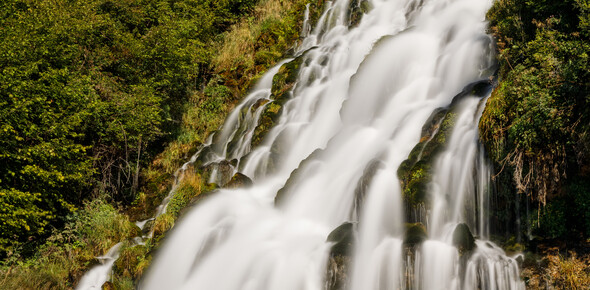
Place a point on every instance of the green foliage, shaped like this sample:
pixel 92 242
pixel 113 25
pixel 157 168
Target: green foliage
pixel 536 123
pixel 565 217
pixel 19 214
pixel 132 262
pixel 190 186
pixel 89 91
pixel 67 253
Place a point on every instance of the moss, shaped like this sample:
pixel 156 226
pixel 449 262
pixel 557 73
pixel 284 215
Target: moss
pixel 133 261
pixel 415 234
pixel 189 186
pixel 415 173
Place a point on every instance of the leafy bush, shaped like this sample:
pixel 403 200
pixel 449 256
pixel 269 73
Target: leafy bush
pixel 90 91
pixel 536 123
pixel 69 252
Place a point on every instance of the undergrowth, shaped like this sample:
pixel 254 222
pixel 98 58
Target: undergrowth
pixel 68 253
pixel 247 50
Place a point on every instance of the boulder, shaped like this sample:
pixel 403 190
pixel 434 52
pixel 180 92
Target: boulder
pixel 343 238
pixel 239 180
pixel 463 239
pixel 415 234
pixel 337 268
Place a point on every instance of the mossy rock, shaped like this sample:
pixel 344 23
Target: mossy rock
pixel 161 225
pixel 356 10
pixel 415 234
pixel 225 171
pixel 283 83
pixel 416 189
pixel 239 180
pixel 284 80
pixel 415 173
pixel 132 261
pixel 208 190
pixel 434 136
pixel 463 238
pixel 339 262
pixel 267 120
pixel 264 57
pixel 479 88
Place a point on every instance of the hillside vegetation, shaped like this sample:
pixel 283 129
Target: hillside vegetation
pixel 101 101
pixel 536 124
pixel 536 127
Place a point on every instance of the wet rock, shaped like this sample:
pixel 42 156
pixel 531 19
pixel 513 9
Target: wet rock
pixel 343 238
pixel 415 173
pixel 218 172
pixel 282 84
pixel 284 80
pixel 415 234
pixel 239 180
pixel 463 239
pixel 337 273
pixel 339 262
pixel 362 186
pixel 147 227
pixel 480 88
pixel 268 118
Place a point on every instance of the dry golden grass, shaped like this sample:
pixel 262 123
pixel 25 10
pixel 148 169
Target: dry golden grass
pixel 556 271
pixel 240 42
pixel 569 273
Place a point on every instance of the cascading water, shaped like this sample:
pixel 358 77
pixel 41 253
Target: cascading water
pixel 353 115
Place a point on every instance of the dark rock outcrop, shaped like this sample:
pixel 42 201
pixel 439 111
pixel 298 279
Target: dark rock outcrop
pixel 463 239
pixel 239 180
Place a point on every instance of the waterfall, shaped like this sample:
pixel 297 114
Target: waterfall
pixel 363 93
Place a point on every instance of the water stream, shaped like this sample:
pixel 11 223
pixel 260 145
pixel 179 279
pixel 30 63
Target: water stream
pixel 362 97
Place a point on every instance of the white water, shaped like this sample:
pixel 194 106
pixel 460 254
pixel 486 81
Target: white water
pixel 101 273
pixel 363 94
